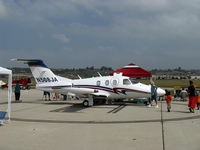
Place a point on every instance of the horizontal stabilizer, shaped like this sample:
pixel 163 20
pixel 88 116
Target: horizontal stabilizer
pixel 31 62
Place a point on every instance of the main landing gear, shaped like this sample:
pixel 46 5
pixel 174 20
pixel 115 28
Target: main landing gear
pixel 88 102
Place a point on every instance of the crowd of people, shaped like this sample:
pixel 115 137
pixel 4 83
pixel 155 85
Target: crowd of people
pixel 190 94
pixel 47 96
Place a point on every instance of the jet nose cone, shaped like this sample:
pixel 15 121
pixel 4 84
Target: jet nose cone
pixel 160 92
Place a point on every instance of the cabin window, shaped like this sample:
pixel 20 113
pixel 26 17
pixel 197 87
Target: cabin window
pixel 126 82
pixel 107 82
pixel 114 82
pixel 98 82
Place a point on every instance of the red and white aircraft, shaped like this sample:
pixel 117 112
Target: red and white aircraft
pixel 106 87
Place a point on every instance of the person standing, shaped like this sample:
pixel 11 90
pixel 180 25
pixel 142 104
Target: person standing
pixel 45 94
pixel 155 97
pixel 198 101
pixel 183 94
pixel 56 96
pixel 152 89
pixel 17 91
pixel 154 94
pixel 168 101
pixel 192 97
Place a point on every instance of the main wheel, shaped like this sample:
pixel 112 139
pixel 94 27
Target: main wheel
pixel 85 103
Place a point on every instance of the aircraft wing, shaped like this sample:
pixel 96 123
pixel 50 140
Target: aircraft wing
pixel 100 94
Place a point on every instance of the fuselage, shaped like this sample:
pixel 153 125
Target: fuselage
pixel 112 87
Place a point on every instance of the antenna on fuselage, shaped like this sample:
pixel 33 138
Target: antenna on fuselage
pixel 79 77
pixel 99 74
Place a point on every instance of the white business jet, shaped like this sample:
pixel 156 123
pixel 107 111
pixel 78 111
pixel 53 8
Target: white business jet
pixel 104 87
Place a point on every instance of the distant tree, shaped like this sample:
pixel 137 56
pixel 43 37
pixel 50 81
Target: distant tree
pixel 106 68
pixel 169 70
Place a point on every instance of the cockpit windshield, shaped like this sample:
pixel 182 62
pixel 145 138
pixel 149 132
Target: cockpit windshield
pixel 129 81
pixel 133 81
pixel 126 82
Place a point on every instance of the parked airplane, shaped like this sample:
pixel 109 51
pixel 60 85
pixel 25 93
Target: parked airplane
pixel 23 82
pixel 106 87
pixel 2 83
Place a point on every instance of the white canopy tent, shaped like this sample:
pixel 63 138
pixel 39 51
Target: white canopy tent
pixel 9 73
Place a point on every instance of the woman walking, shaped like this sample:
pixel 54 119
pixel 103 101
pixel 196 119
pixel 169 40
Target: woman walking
pixel 192 97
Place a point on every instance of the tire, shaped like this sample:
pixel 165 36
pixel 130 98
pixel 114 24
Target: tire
pixel 85 103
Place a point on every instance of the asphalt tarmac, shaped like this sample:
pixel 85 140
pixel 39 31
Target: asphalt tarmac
pixel 59 125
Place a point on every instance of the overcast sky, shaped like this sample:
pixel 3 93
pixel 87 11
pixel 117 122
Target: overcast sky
pixel 80 33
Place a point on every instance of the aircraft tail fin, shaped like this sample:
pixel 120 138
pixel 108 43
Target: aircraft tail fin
pixel 40 71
